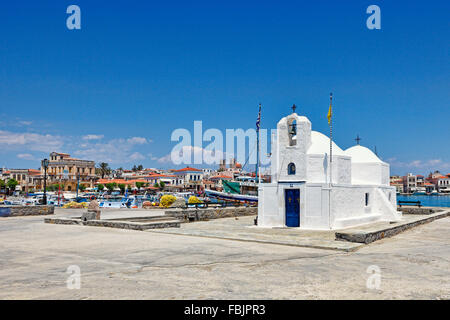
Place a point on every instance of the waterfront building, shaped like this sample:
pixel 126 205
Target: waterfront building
pixel 311 192
pixel 167 179
pixel 409 183
pixel 443 183
pixel 429 187
pixel 27 178
pixel 397 182
pixel 67 171
pixel 207 172
pixel 192 178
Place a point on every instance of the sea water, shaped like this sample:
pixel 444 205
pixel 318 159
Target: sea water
pixel 427 201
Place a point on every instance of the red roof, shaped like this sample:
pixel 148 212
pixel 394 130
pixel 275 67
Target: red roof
pixel 160 176
pixel 188 169
pixel 119 181
pixel 220 177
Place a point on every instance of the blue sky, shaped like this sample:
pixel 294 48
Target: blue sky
pixel 116 89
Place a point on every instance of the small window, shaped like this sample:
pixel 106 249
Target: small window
pixel 291 169
pixel 367 199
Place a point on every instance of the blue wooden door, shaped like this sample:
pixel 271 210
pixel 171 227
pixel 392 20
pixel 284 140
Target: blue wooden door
pixel 292 205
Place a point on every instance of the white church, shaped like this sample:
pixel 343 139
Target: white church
pixel 309 193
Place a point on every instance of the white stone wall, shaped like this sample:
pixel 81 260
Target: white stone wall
pixel 269 214
pixel 348 205
pixel 370 173
pixel 316 214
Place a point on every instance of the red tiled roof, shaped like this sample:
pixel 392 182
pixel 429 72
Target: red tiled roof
pixel 160 176
pixel 187 169
pixel 137 180
pixel 118 181
pixel 34 172
pixel 220 177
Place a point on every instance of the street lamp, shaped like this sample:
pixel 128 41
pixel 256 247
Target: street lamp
pixel 45 165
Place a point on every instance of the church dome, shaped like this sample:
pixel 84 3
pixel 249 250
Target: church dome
pixel 362 154
pixel 320 144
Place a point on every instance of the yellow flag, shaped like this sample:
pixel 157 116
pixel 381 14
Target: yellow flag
pixel 329 114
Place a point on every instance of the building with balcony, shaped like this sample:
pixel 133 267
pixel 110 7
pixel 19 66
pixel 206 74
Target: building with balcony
pixel 67 171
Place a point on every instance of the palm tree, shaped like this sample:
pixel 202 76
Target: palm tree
pixel 104 169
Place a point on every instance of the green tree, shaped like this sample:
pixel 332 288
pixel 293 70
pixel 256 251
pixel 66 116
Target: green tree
pixel 104 169
pixel 140 167
pixel 100 187
pixel 111 186
pixel 161 185
pixel 139 185
pixel 82 187
pixel 11 184
pixel 122 187
pixel 2 184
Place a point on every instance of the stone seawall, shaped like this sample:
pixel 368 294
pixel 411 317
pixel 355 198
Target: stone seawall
pixel 116 224
pixel 17 211
pixel 192 214
pixel 374 235
pixel 416 210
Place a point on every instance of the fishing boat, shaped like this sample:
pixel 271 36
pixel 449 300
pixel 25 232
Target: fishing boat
pixel 245 188
pixel 231 196
pixel 420 191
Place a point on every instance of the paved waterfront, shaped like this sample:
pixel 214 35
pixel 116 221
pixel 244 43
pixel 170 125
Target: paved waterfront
pixel 124 264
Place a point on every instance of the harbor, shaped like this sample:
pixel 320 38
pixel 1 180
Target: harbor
pixel 220 157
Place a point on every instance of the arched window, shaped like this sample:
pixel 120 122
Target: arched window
pixel 291 168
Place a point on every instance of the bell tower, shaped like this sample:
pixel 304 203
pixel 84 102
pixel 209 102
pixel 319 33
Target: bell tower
pixel 292 142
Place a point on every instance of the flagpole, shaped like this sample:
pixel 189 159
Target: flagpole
pixel 331 160
pixel 331 139
pixel 258 123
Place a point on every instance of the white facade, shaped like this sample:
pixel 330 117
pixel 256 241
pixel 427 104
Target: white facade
pixel 308 192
